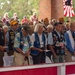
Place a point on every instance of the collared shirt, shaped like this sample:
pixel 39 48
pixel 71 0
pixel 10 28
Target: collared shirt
pixel 7 36
pixel 17 42
pixel 68 42
pixel 58 33
pixel 40 39
pixel 50 37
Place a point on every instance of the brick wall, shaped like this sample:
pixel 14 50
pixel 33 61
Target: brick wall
pixel 50 9
pixel 45 9
pixel 56 9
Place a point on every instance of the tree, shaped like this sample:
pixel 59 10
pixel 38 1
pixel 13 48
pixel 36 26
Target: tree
pixel 21 7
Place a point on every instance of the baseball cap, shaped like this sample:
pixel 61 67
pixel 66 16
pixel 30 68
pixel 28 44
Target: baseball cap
pixel 57 23
pixel 13 22
pixel 26 28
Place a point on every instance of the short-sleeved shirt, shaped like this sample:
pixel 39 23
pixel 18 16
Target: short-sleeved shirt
pixel 17 42
pixel 40 39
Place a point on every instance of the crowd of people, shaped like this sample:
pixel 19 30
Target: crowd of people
pixel 29 42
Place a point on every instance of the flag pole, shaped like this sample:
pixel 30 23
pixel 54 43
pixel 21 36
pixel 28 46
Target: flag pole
pixel 69 19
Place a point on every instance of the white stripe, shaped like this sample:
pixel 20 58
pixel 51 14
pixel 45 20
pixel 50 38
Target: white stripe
pixel 35 66
pixel 68 9
pixel 71 38
pixel 70 74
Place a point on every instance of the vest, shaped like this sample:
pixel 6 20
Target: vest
pixel 2 38
pixel 58 43
pixel 37 43
pixel 11 39
pixel 21 40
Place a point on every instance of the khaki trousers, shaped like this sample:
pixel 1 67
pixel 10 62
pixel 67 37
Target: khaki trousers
pixel 19 59
pixel 68 56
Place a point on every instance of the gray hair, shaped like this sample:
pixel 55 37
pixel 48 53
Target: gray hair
pixel 50 26
pixel 36 29
pixel 5 26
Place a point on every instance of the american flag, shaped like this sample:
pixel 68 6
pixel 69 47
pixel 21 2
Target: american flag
pixel 68 8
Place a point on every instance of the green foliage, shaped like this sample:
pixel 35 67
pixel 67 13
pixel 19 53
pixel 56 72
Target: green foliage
pixel 21 7
pixel 74 9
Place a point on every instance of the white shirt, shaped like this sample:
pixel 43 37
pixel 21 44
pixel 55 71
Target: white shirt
pixel 40 39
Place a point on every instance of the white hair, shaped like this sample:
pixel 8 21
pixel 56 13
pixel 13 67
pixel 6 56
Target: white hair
pixel 34 13
pixel 15 13
pixel 5 26
pixel 50 26
pixel 37 26
pixel 5 15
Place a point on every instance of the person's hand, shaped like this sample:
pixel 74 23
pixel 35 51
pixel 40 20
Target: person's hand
pixel 55 56
pixel 27 53
pixel 40 50
pixel 2 48
pixel 74 53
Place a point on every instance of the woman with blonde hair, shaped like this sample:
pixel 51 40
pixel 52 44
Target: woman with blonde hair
pixel 38 40
pixel 5 19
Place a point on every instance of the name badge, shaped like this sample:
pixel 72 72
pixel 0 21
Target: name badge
pixel 41 44
pixel 61 44
pixel 25 44
pixel 22 42
pixel 57 44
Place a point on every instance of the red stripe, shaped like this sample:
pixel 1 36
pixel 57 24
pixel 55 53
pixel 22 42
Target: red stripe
pixel 68 10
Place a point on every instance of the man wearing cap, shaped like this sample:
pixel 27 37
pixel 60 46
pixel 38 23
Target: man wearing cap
pixel 56 43
pixel 61 20
pixel 22 47
pixel 10 35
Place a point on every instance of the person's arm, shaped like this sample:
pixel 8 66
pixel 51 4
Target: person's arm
pixel 52 50
pixel 20 51
pixel 38 49
pixel 17 44
pixel 7 37
pixel 68 43
pixel 32 44
pixel 50 43
pixel 2 48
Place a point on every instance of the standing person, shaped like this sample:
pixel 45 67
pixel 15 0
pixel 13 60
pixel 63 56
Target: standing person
pixel 2 44
pixel 34 18
pixel 25 20
pixel 38 41
pixel 5 19
pixel 70 42
pixel 56 43
pixel 10 36
pixel 49 30
pixel 15 17
pixel 22 47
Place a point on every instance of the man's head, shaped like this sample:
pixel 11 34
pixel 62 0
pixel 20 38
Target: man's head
pixel 49 28
pixel 72 26
pixel 57 26
pixel 61 20
pixel 25 30
pixel 38 28
pixel 14 24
